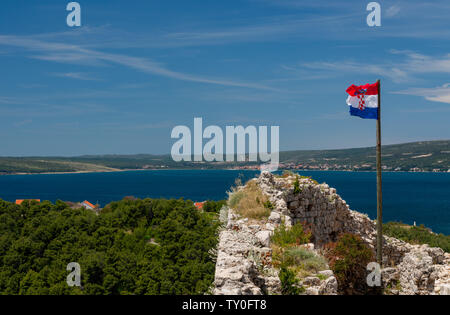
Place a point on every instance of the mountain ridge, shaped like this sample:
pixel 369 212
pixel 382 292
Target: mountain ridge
pixel 412 156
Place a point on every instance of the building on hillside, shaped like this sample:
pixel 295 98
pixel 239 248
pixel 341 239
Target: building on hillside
pixel 86 204
pixel 199 205
pixel 20 201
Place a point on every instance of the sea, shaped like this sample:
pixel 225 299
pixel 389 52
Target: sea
pixel 421 198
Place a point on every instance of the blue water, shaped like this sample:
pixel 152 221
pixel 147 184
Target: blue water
pixel 407 197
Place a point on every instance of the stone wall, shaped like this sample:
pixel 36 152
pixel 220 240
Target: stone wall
pixel 243 264
pixel 244 261
pixel 410 269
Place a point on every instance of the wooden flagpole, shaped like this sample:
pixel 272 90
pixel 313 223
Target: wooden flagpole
pixel 379 192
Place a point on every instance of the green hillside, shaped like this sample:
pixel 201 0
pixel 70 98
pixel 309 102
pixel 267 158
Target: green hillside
pixel 425 155
pixel 420 156
pixel 9 165
pixel 132 247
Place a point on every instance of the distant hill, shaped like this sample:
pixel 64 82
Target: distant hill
pixel 12 165
pixel 423 155
pixel 415 156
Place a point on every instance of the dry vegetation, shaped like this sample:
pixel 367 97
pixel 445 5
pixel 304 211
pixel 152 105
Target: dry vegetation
pixel 249 201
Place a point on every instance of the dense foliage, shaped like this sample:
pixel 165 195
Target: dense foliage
pixel 214 206
pixel 132 247
pixel 348 258
pixel 417 235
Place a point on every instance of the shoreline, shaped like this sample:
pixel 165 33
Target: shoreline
pixel 200 169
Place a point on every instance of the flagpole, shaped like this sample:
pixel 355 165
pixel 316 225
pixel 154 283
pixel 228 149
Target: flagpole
pixel 379 192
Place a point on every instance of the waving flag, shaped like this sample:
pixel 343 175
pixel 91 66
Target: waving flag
pixel 363 100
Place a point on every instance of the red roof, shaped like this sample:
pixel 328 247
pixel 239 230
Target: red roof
pixel 89 204
pixel 19 201
pixel 199 205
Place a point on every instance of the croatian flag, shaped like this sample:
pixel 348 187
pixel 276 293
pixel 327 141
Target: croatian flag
pixel 363 100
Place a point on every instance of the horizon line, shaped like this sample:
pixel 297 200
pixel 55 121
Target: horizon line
pixel 168 154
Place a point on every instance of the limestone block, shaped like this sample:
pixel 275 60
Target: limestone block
pixel 275 217
pixel 264 237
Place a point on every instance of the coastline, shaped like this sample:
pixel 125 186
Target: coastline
pixel 405 200
pixel 204 169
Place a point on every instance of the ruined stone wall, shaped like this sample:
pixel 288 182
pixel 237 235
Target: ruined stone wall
pixel 243 264
pixel 317 205
pixel 325 213
pixel 412 269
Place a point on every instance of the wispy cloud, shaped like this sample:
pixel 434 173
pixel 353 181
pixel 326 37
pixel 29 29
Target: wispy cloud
pixel 419 63
pixel 23 123
pixel 76 75
pixel 237 30
pixel 407 18
pixel 438 94
pixel 394 73
pixel 274 29
pixel 313 19
pixel 412 65
pixel 392 11
pixel 74 54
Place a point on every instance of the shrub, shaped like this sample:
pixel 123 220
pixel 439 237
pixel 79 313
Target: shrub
pixel 417 235
pixel 289 282
pixel 235 198
pixel 304 260
pixel 297 186
pixel 223 215
pixel 348 258
pixel 214 206
pixel 249 202
pixel 268 205
pixel 285 237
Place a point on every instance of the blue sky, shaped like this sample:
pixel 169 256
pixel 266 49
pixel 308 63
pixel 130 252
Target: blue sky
pixel 136 69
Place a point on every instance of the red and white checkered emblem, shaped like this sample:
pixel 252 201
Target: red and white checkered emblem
pixel 360 95
pixel 362 102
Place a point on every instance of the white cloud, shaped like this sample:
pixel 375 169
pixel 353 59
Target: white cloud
pixel 398 71
pixel 439 94
pixel 74 54
pixel 394 73
pixel 76 75
pixel 392 11
pixel 419 63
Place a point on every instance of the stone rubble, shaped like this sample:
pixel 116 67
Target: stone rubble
pixel 243 264
pixel 244 253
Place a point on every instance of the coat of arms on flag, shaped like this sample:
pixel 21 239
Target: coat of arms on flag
pixel 363 100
